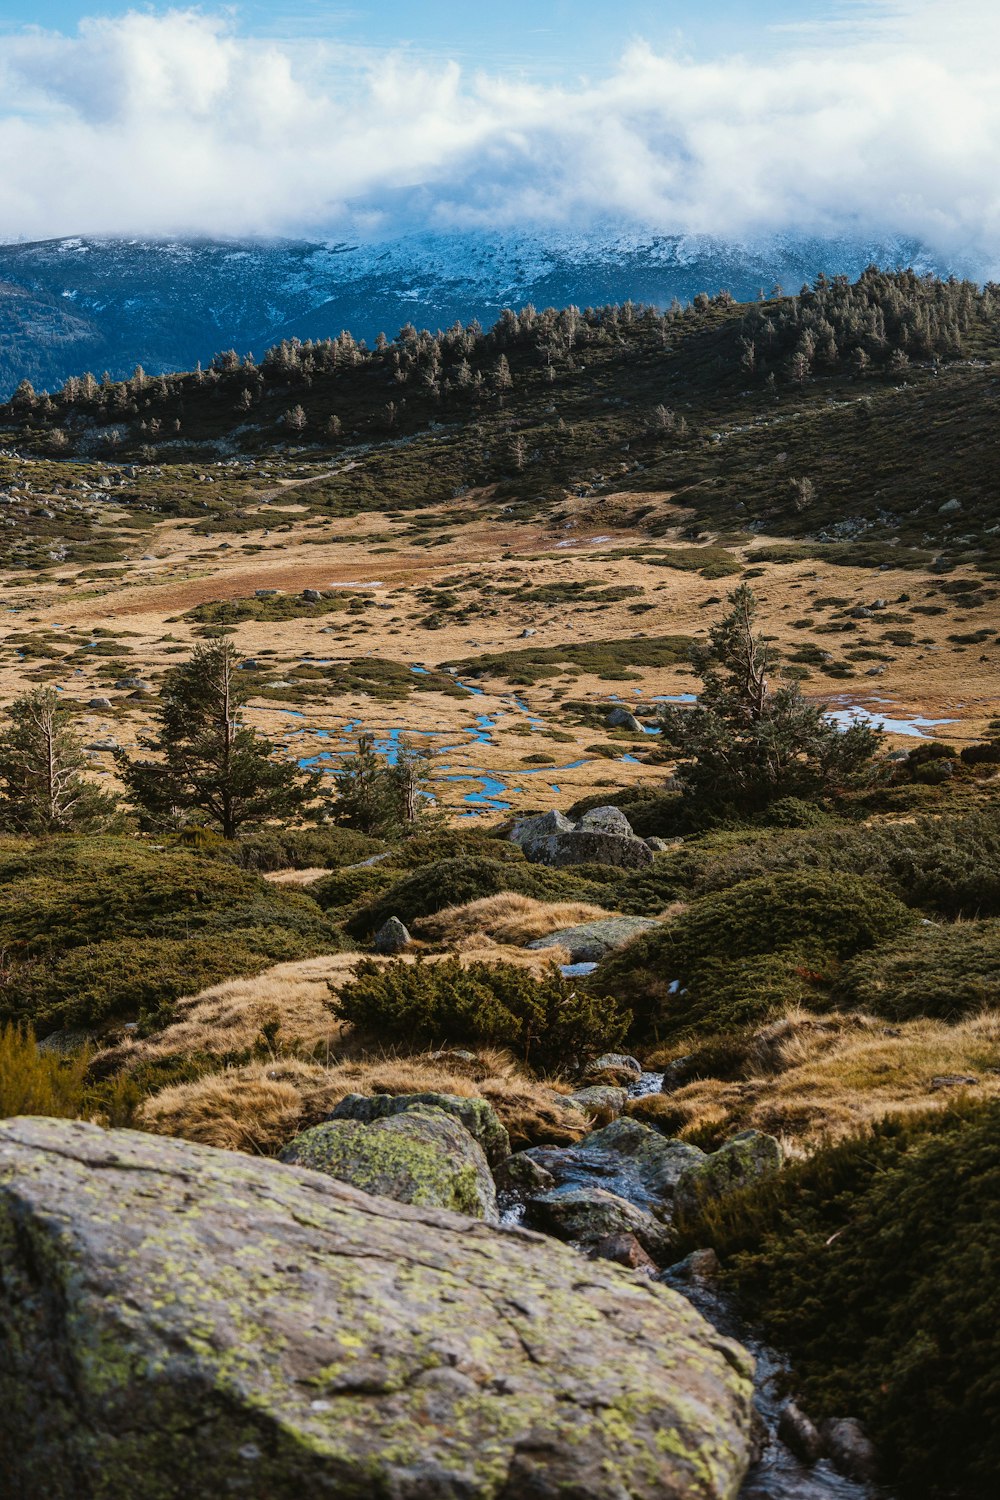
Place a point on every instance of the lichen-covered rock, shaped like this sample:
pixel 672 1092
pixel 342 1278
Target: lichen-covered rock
pixel 532 834
pixel 222 1325
pixel 743 1159
pixel 602 1101
pixel 606 820
pixel 392 937
pixel 552 839
pixel 421 1156
pixel 626 1157
pixel 588 1215
pixel 520 1174
pixel 589 942
pixel 477 1115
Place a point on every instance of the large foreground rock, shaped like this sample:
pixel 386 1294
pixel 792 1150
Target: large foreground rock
pixel 477 1115
pixel 177 1321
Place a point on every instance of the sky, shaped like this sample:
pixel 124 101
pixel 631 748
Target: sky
pixel 297 117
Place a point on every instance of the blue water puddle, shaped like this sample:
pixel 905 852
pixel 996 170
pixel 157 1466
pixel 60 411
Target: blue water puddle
pixel 912 728
pixel 478 691
pixel 630 760
pixel 421 670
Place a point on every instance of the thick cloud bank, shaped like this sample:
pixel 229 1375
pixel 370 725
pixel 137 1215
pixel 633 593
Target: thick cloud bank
pixel 173 124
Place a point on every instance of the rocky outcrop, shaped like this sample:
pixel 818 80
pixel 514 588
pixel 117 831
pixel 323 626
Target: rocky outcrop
pixel 222 1325
pixel 392 937
pixel 743 1159
pixel 602 836
pixel 421 1156
pixel 589 942
pixel 627 1158
pixel 477 1115
pixel 588 1216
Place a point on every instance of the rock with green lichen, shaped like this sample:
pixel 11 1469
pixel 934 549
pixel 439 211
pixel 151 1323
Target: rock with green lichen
pixel 742 1160
pixel 477 1115
pixel 181 1321
pixel 421 1156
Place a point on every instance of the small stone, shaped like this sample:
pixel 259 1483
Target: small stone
pixel 952 1081
pixel 799 1434
pixel 600 1102
pixel 849 1448
pixel 624 1250
pixel 623 718
pixel 392 937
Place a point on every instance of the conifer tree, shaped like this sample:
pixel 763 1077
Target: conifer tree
pixel 746 744
pixel 42 789
pixel 210 764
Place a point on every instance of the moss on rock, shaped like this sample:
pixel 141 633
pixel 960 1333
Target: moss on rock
pixel 219 1324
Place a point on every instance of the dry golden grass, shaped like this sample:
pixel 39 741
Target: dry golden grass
pixel 296 877
pixel 289 1002
pixel 505 918
pixel 261 1106
pixel 818 1078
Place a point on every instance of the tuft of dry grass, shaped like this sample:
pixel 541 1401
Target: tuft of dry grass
pixel 505 918
pixel 296 877
pixel 261 1106
pixel 814 1079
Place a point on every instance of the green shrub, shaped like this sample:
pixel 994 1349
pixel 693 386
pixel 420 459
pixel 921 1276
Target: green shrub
pixel 344 888
pixel 93 985
pixel 738 956
pixel 101 929
pixel 942 972
pixel 548 1022
pixel 453 882
pixel 873 1265
pixel 452 843
pixel 301 849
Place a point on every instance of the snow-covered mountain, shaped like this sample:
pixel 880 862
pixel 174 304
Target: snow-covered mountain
pixel 74 304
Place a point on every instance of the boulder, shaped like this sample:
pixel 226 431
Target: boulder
pixel 520 1174
pixel 622 718
pixel 743 1159
pixel 312 596
pixel 219 1324
pixel 532 834
pixel 627 1157
pixel 798 1434
pixel 627 1067
pixel 849 1448
pixel 589 942
pixel 588 1215
pixel 101 703
pixel 660 846
pixel 479 1117
pixel 552 839
pixel 602 1101
pixel 420 1156
pixel 606 820
pixel 392 937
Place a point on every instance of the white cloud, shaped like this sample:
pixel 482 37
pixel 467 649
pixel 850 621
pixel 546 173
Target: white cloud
pixel 171 123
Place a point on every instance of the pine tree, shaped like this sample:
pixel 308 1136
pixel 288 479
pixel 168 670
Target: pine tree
pixel 377 797
pixel 42 789
pixel 208 761
pixel 744 744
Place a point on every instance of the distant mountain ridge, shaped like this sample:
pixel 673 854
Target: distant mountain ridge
pixel 74 304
